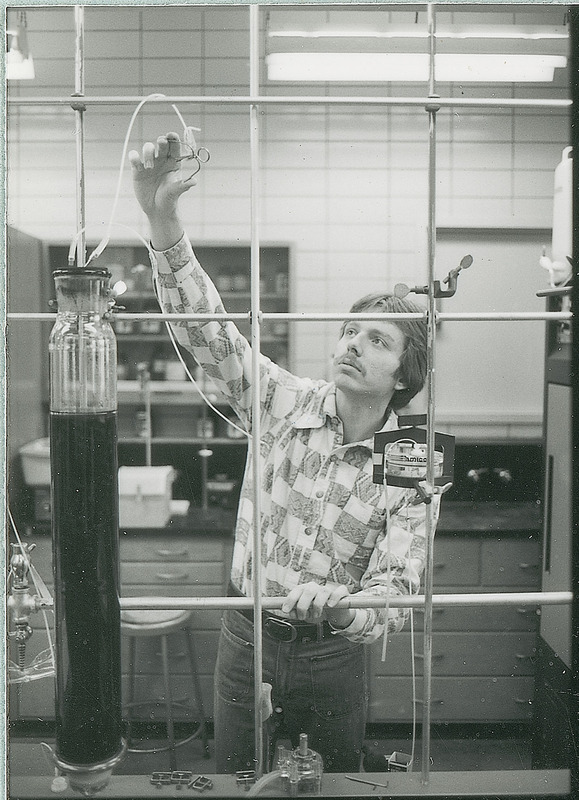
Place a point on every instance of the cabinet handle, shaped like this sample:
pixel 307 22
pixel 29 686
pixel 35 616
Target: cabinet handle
pixel 439 565
pixel 524 565
pixel 435 610
pixel 433 702
pixel 172 553
pixel 548 512
pixel 522 656
pixel 524 611
pixel 172 576
pixel 522 702
pixel 435 656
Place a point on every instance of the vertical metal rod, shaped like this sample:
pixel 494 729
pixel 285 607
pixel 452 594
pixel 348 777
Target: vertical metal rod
pixel 255 366
pixel 432 108
pixel 79 109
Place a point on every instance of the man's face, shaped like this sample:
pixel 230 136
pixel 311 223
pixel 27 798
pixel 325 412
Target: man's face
pixel 367 359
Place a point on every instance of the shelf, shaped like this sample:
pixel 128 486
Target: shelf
pixel 164 338
pixel 184 440
pixel 232 295
pixel 167 393
pixel 143 337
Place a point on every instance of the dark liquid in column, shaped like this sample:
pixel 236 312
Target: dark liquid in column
pixel 85 551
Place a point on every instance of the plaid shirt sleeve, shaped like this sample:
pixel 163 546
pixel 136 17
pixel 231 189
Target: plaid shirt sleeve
pixel 395 567
pixel 184 287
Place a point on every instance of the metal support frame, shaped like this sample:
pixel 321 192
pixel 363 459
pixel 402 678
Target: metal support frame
pixel 432 104
pixel 467 316
pixel 79 108
pixel 516 599
pixel 255 442
pixel 431 109
pixel 310 100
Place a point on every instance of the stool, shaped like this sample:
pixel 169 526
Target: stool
pixel 162 624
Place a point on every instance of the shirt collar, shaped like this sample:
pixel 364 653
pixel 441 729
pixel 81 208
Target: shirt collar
pixel 322 404
pixel 322 407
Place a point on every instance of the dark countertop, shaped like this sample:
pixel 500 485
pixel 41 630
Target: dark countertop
pixel 488 516
pixel 456 516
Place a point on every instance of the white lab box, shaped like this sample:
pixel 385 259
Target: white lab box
pixel 145 496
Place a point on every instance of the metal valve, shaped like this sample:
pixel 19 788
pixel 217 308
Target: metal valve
pixel 22 603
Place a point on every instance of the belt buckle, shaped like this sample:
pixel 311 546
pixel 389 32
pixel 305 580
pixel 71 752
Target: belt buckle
pixel 280 625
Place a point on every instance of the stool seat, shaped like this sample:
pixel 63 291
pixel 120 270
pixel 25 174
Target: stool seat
pixel 162 624
pixel 153 623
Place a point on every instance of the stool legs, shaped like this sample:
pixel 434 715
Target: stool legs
pixel 197 690
pixel 201 731
pixel 168 703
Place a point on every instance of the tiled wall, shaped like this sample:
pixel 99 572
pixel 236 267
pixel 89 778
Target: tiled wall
pixel 344 186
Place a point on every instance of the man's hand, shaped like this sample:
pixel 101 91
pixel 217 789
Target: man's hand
pixel 158 185
pixel 314 603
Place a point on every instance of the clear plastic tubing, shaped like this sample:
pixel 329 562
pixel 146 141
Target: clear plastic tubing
pixel 84 469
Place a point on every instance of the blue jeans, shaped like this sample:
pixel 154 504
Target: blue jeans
pixel 319 688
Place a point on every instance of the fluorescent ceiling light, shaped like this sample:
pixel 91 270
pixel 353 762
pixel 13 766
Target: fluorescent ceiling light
pixel 391 31
pixel 412 67
pixel 18 68
pixel 18 59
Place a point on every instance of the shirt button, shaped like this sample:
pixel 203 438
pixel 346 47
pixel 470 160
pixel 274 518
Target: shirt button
pixel 309 531
pixel 319 493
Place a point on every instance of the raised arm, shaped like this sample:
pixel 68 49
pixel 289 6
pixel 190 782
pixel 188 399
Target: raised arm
pixel 183 285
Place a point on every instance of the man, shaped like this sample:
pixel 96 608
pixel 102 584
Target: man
pixel 327 531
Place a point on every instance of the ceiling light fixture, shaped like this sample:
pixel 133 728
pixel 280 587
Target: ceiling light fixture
pixel 338 46
pixel 18 61
pixel 412 67
pixel 393 31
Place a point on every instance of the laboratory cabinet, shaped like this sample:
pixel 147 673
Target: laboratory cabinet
pixel 159 563
pixel 482 657
pixel 556 727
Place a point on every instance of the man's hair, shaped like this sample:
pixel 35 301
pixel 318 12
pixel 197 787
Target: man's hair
pixel 412 370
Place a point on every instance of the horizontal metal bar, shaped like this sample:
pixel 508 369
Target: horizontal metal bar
pixel 439 102
pixel 414 601
pixel 481 316
pixel 470 316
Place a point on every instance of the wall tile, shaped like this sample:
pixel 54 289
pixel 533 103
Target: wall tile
pixel 162 44
pixel 344 186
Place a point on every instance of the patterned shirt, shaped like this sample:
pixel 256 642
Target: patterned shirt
pixel 323 518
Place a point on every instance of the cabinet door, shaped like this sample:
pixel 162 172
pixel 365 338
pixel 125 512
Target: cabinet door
pixel 511 562
pixel 456 561
pixel 478 618
pixel 460 654
pixel 466 699
pixel 556 621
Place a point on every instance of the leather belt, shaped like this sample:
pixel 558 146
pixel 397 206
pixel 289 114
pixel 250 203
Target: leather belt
pixel 285 630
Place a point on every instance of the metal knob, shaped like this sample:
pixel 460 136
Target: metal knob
pixel 474 475
pixel 504 475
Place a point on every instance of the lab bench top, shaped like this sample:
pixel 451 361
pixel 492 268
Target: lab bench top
pixel 511 783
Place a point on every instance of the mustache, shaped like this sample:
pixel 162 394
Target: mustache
pixel 350 361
